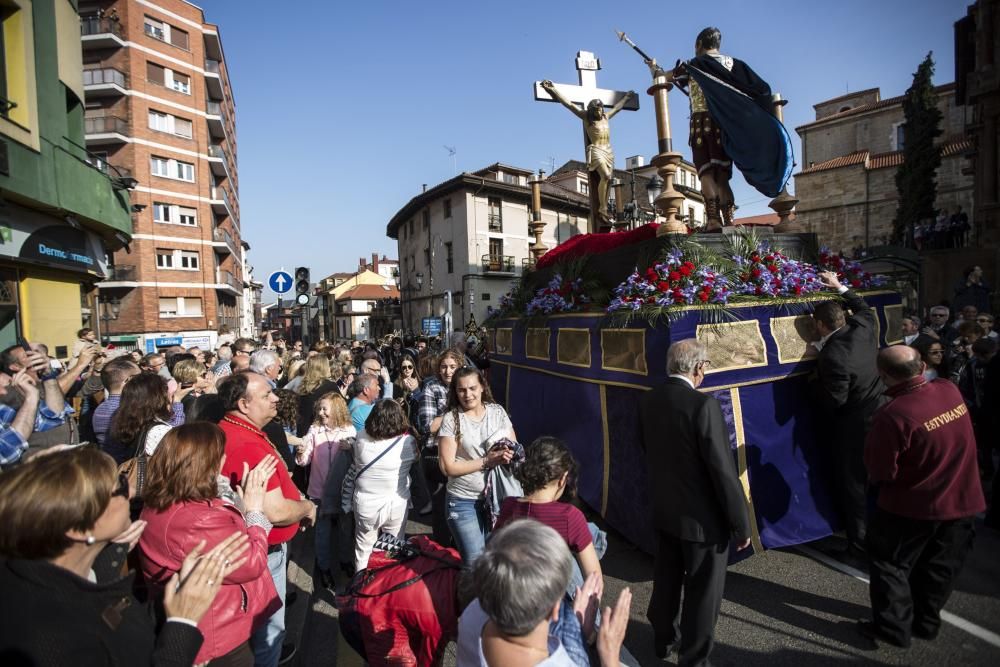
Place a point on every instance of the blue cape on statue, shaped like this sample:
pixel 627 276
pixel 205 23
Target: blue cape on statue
pixel 738 101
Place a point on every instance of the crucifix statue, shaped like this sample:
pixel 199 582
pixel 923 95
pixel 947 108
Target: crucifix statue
pixel 588 102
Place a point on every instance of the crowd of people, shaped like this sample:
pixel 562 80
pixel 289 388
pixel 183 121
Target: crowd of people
pixel 947 230
pixel 148 502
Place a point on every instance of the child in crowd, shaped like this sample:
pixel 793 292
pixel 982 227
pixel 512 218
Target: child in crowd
pixel 548 479
pixel 330 434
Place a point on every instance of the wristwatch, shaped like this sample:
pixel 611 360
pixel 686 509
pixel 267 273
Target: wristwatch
pixel 51 375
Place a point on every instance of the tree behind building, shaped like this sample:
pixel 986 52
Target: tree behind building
pixel 915 179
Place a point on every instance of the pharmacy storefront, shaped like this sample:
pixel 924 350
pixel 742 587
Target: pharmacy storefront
pixel 47 267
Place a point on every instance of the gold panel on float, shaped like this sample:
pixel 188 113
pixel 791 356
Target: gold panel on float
pixel 792 336
pixel 624 350
pixel 573 347
pixel 733 345
pixel 536 344
pixel 893 323
pixel 503 341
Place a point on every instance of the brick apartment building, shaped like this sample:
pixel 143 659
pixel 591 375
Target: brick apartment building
pixel 159 106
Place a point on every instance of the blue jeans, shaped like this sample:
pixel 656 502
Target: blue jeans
pixel 600 539
pixel 469 526
pixel 266 640
pixel 569 632
pixel 324 540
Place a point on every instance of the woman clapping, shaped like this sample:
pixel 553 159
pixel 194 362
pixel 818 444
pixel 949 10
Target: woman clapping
pixel 187 502
pixel 64 533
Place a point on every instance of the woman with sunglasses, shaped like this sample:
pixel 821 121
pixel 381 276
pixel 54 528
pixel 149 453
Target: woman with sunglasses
pixel 192 375
pixel 933 354
pixel 186 501
pixel 407 382
pixel 349 373
pixel 64 535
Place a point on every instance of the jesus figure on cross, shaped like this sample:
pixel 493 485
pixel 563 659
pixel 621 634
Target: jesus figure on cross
pixel 600 157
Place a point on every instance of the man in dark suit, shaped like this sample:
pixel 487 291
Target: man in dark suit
pixel 698 505
pixel 851 391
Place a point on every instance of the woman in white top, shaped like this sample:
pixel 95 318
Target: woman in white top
pixel 383 454
pixel 472 424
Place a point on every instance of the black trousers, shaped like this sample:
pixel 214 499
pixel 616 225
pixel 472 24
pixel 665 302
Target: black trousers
pixel 914 565
pixel 851 480
pixel 241 656
pixel 699 569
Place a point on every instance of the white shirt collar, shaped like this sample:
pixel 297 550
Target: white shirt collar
pixel 683 377
pixel 819 344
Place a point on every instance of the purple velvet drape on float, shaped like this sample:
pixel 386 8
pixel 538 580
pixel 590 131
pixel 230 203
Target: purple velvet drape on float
pixel 768 406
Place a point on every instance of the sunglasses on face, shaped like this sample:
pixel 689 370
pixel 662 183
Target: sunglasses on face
pixel 407 367
pixel 122 490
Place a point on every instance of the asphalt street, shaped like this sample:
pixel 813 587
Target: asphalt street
pixel 794 606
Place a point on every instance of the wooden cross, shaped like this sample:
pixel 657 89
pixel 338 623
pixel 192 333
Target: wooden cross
pixel 587 65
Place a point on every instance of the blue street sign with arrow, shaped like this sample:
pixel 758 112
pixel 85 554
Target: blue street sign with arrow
pixel 280 282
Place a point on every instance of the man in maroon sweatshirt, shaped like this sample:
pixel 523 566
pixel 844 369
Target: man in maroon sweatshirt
pixel 921 455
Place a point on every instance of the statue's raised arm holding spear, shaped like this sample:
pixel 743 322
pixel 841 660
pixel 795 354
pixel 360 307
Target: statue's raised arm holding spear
pixel 732 119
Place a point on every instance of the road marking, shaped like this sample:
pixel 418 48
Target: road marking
pixel 987 636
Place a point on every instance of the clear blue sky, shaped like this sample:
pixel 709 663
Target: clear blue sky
pixel 343 109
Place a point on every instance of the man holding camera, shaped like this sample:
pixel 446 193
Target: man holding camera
pixel 51 424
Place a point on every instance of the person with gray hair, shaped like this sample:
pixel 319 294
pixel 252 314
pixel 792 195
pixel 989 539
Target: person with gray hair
pixel 684 356
pixel 698 505
pixel 363 392
pixel 519 581
pixel 267 363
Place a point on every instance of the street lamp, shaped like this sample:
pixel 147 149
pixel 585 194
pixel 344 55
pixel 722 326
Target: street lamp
pixel 111 308
pixel 653 188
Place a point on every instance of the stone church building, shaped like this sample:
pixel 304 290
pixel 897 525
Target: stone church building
pixel 847 188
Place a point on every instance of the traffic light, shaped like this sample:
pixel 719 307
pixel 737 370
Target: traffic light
pixel 302 287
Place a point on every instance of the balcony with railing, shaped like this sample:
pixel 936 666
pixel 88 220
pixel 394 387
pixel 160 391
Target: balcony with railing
pixel 98 32
pixel 226 282
pixel 119 275
pixel 498 263
pixel 495 221
pixel 224 241
pixel 105 130
pixel 213 78
pixel 220 202
pixel 216 117
pixel 104 82
pixel 218 160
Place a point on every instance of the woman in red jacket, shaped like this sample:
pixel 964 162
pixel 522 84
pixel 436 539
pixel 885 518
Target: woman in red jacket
pixel 186 502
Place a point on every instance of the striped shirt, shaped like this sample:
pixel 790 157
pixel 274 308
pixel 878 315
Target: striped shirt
pixel 12 443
